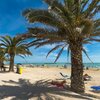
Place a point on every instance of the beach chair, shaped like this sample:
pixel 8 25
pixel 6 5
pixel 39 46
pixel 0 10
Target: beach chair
pixel 64 76
pixel 96 88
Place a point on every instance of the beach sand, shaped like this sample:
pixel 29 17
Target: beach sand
pixel 34 84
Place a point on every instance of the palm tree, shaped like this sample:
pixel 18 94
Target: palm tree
pixel 71 23
pixel 14 46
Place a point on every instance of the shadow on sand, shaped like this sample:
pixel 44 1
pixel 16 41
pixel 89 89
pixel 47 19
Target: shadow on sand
pixel 4 71
pixel 40 90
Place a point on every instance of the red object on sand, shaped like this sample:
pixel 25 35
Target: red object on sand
pixel 58 84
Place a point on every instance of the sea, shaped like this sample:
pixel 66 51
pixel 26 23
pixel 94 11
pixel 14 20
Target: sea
pixel 89 65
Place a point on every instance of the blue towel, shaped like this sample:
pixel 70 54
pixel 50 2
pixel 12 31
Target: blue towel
pixel 96 88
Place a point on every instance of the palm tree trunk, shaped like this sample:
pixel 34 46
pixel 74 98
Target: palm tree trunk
pixel 1 64
pixel 11 68
pixel 77 82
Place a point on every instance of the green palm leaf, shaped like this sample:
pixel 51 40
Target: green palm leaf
pixel 60 52
pixel 53 49
pixel 87 54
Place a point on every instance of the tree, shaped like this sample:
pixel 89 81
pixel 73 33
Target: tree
pixel 71 23
pixel 14 46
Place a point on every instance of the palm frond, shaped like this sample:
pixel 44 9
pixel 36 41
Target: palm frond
pixel 61 12
pixel 44 43
pixel 69 4
pixel 59 54
pixel 45 17
pixel 53 49
pixel 96 34
pixel 96 23
pixel 5 40
pixel 97 10
pixel 86 54
pixel 84 3
pixel 88 27
pixel 91 7
pixel 94 39
pixel 68 52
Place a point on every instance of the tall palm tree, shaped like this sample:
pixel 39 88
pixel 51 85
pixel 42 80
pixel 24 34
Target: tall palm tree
pixel 71 23
pixel 14 46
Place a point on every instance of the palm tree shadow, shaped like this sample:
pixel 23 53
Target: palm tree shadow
pixel 4 71
pixel 41 90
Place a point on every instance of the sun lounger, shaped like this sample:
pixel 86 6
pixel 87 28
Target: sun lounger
pixel 64 76
pixel 96 88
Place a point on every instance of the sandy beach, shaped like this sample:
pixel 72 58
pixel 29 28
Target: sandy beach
pixel 34 84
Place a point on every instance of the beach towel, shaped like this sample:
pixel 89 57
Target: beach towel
pixel 97 88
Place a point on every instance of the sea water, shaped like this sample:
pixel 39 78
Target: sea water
pixel 90 65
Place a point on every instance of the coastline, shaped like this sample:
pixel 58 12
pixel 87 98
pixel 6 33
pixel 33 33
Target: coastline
pixel 52 65
pixel 90 65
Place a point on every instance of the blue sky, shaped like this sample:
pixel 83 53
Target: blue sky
pixel 12 22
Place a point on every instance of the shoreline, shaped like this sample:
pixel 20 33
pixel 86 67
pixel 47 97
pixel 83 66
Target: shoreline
pixel 90 65
pixel 52 65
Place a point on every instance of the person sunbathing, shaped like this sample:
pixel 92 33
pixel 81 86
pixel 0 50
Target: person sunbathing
pixel 86 77
pixel 58 83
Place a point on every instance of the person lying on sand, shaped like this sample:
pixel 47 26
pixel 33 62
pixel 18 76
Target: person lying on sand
pixel 86 77
pixel 58 83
